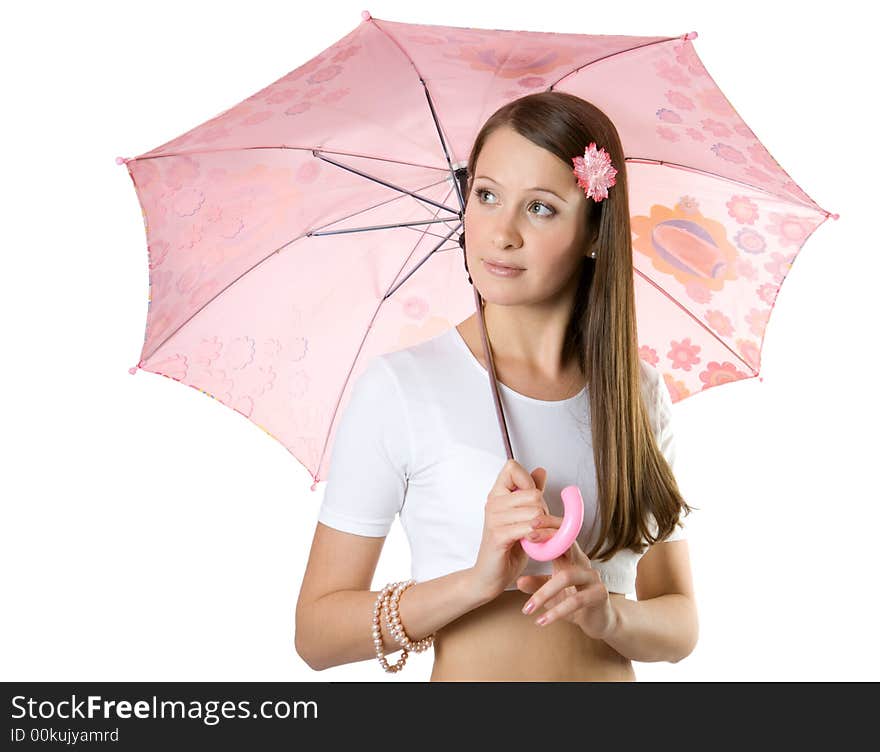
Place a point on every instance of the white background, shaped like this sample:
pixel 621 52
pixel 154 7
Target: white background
pixel 150 533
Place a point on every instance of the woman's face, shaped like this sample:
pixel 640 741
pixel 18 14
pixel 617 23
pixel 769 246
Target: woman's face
pixel 509 221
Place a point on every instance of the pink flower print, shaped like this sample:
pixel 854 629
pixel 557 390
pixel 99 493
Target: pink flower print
pixel 214 383
pixel 190 235
pixel 760 155
pixel 173 366
pixel 668 116
pixel 743 130
pixel 298 108
pixel 683 354
pixel 336 95
pixel 680 100
pixel 187 201
pixel 742 209
pixel 240 353
pixel 281 94
pixel 715 127
pixel 768 292
pixel 688 205
pixel 671 73
pixel 649 355
pixel 182 171
pixel 758 176
pixel 686 55
pixel 157 251
pixel 695 134
pixel 757 321
pixel 791 229
pixel 212 133
pixel 750 241
pixel 207 351
pixel 313 92
pixel 714 101
pixel 255 118
pixel 745 268
pixel 793 188
pixel 306 68
pixel 345 53
pixel 728 153
pixel 779 266
pixel 530 82
pixel 415 307
pixel 667 134
pixel 243 404
pixel 298 384
pixel 324 74
pixel 750 352
pixel 698 292
pixel 299 346
pixel 205 292
pixel 189 278
pixel 160 282
pixel 308 172
pixel 721 373
pixel 230 227
pixel 719 322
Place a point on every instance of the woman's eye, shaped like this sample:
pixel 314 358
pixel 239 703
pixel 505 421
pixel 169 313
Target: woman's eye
pixel 480 192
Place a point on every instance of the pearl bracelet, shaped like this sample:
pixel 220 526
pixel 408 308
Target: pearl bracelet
pixel 387 605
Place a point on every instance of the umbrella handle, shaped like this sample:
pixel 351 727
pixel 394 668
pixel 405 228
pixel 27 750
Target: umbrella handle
pixel 573 518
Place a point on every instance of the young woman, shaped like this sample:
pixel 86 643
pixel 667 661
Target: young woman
pixel 419 440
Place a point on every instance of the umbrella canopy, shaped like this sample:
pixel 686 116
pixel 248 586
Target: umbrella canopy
pixel 315 224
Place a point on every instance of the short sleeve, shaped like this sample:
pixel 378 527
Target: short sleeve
pixel 369 463
pixel 666 438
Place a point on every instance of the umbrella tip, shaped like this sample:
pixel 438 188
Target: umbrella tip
pixel 133 370
pixel 121 160
pixel 690 35
pixel 834 216
pixel 315 484
pixel 365 14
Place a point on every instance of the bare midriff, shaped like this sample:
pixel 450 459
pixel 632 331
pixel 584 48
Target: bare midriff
pixel 497 642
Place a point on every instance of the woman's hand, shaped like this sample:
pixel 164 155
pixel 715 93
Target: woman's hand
pixel 573 592
pixel 513 504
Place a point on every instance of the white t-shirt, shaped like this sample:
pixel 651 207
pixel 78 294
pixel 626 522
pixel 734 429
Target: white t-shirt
pixel 419 438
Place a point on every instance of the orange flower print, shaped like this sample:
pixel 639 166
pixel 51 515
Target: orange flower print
pixel 719 322
pixel 683 354
pixel 791 229
pixel 677 389
pixel 687 205
pixel 720 373
pixel 742 209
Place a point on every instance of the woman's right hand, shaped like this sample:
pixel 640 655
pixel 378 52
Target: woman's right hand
pixel 514 503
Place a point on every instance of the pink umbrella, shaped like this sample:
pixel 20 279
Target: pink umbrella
pixel 313 226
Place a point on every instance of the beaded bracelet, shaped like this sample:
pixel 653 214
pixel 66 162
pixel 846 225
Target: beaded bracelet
pixel 387 604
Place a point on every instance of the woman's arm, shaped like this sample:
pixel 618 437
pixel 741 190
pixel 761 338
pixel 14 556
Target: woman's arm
pixel 336 628
pixel 663 628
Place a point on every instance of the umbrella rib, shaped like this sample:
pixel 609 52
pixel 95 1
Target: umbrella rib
pixel 693 317
pixel 613 54
pixel 707 173
pixel 316 153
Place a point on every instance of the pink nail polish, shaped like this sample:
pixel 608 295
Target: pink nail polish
pixel 528 608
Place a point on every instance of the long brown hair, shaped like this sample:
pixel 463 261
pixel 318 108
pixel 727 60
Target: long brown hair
pixel 633 477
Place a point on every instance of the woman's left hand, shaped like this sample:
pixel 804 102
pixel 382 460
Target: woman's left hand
pixel 573 592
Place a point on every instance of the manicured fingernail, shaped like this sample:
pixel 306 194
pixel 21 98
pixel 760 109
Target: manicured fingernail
pixel 527 609
pixel 533 536
pixel 541 620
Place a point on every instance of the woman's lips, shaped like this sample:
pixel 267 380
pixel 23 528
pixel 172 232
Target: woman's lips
pixel 501 271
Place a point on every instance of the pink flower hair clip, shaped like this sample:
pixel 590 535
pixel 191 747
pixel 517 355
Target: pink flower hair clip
pixel 594 172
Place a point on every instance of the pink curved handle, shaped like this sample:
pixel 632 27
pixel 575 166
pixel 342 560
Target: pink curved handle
pixel 572 519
